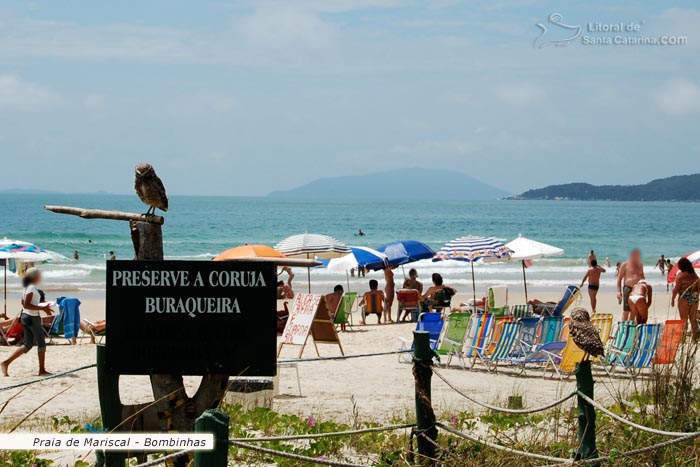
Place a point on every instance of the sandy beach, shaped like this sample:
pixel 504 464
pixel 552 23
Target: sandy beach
pixel 377 388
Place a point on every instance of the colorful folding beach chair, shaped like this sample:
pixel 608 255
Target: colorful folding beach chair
pixel 570 295
pixel 452 336
pixel 646 340
pixel 431 322
pixel 527 338
pixel 497 297
pixel 478 337
pixel 622 341
pixel 520 311
pixel 671 339
pixel 503 347
pixel 549 330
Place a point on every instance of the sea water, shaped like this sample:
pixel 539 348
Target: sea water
pixel 201 227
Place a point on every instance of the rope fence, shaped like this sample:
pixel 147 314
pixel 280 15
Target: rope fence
pixel 334 434
pixel 45 378
pixel 503 409
pixel 296 457
pixel 343 357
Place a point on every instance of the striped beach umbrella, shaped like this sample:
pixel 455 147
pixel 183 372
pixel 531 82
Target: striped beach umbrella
pixel 472 249
pixel 312 246
pixel 369 258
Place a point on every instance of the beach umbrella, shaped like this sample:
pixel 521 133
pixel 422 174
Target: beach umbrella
pixel 694 258
pixel 472 249
pixel 344 264
pixel 406 251
pixel 310 246
pixel 249 251
pixel 369 258
pixel 526 250
pixel 27 252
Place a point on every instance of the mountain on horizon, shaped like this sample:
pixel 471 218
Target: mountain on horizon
pixel 414 183
pixel 676 188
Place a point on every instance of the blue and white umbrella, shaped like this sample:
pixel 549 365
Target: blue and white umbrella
pixel 308 246
pixel 369 258
pixel 472 249
pixel 406 251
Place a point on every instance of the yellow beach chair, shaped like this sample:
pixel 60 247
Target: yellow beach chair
pixel 572 354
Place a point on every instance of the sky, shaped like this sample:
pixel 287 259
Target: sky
pixel 246 97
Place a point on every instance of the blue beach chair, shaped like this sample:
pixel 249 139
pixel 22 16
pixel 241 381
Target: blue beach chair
pixel 520 311
pixel 570 295
pixel 641 355
pixel 431 322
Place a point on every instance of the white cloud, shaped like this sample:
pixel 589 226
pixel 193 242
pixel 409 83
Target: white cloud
pixel 519 93
pixel 679 96
pixel 16 94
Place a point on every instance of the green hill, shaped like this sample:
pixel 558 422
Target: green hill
pixel 676 188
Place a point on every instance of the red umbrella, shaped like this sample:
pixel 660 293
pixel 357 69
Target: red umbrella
pixel 694 258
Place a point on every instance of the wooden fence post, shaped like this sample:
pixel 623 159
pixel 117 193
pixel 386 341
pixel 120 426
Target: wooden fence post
pixel 425 416
pixel 213 421
pixel 586 413
pixel 110 406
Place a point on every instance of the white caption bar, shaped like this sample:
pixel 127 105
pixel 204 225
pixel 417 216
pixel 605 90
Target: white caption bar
pixel 108 442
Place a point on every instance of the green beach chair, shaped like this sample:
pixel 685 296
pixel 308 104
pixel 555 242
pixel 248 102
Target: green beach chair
pixel 642 350
pixel 342 316
pixel 550 330
pixel 498 300
pixel 452 335
pixel 621 344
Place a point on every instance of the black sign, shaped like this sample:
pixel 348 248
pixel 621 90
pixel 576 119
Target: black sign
pixel 191 317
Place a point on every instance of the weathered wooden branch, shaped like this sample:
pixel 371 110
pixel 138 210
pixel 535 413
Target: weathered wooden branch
pixel 103 214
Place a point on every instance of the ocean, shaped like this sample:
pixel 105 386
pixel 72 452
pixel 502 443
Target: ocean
pixel 201 227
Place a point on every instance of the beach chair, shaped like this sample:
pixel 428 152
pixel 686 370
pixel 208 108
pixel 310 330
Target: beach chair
pixel 352 298
pixel 452 336
pixel 520 311
pixel 409 300
pixel 374 304
pixel 549 330
pixel 572 354
pixel 97 336
pixel 528 336
pixel 565 329
pixel 557 309
pixel 497 329
pixel 441 301
pixel 643 349
pixel 546 356
pixel 501 345
pixel 622 341
pixel 431 322
pixel 671 339
pixel 342 314
pixel 497 300
pixel 477 338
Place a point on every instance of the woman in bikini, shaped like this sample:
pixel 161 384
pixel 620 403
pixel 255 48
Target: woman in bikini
pixel 687 289
pixel 640 302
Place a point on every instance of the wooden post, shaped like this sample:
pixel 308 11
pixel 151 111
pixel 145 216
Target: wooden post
pixel 213 421
pixel 586 413
pixel 110 406
pixel 425 416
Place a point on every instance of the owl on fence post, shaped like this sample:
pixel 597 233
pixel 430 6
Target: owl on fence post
pixel 585 335
pixel 150 189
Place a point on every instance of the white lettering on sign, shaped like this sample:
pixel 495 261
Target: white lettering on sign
pixel 300 319
pixel 192 306
pixel 156 278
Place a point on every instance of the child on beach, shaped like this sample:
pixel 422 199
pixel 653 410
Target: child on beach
pixel 593 278
pixel 372 302
pixel 31 322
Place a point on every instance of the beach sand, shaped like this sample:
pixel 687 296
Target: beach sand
pixel 375 388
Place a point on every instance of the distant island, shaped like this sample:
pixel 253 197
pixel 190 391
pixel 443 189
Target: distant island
pixel 414 183
pixel 676 188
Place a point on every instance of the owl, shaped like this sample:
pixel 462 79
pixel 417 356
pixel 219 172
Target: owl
pixel 585 335
pixel 150 189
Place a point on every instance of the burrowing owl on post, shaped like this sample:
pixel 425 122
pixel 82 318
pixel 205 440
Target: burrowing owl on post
pixel 585 335
pixel 150 189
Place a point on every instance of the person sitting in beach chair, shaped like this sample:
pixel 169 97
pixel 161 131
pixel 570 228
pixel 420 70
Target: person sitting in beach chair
pixel 333 299
pixel 439 296
pixel 94 328
pixel 373 302
pixel 409 301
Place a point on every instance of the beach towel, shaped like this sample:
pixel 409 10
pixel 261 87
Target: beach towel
pixel 68 321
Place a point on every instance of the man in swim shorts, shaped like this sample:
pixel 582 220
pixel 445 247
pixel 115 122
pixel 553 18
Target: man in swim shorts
pixel 593 278
pixel 631 272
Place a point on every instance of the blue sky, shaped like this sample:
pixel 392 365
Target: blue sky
pixel 247 97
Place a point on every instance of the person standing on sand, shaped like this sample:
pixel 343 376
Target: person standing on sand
pixel 389 292
pixel 591 257
pixel 631 272
pixel 687 289
pixel 593 278
pixel 31 322
pixel 661 264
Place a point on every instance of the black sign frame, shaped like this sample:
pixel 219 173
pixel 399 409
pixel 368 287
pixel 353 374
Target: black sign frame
pixel 191 318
